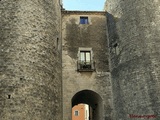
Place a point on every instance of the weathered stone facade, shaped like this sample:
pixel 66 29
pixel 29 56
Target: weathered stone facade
pixel 36 67
pixel 86 86
pixel 30 60
pixel 134 41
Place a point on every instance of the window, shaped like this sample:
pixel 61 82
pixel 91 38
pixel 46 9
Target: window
pixel 85 60
pixel 116 49
pixel 83 20
pixel 76 113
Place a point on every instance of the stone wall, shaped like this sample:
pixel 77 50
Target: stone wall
pixel 30 60
pixel 85 84
pixel 133 27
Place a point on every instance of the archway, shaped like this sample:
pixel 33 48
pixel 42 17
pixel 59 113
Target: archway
pixel 92 99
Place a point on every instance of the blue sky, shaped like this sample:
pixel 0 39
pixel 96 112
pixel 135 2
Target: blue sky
pixel 90 5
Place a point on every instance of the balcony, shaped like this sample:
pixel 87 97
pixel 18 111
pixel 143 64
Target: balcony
pixel 85 66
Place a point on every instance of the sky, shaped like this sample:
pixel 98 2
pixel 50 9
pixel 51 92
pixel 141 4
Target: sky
pixel 83 5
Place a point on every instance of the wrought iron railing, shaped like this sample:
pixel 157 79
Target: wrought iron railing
pixel 85 66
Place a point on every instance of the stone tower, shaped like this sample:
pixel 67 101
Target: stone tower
pixel 134 41
pixel 30 60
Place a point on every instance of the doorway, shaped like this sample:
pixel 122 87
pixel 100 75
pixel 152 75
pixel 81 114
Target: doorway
pixel 87 100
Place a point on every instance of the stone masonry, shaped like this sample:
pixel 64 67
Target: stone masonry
pixel 92 35
pixel 42 77
pixel 134 41
pixel 30 60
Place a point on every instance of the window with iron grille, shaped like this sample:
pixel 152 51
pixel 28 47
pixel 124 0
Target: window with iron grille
pixel 85 60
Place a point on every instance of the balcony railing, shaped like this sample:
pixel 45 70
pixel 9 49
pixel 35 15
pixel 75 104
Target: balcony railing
pixel 85 66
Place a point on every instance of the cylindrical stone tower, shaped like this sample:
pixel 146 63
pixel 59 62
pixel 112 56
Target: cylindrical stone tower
pixel 30 60
pixel 134 42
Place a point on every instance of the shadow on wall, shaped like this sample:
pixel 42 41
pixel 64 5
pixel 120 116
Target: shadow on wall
pixel 113 37
pixel 112 32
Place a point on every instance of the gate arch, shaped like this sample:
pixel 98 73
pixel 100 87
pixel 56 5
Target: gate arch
pixel 91 98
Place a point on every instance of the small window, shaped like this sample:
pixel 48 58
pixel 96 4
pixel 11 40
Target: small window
pixel 76 113
pixel 85 60
pixel 83 20
pixel 116 48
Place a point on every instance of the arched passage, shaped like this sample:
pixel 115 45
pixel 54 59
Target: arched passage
pixel 92 99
